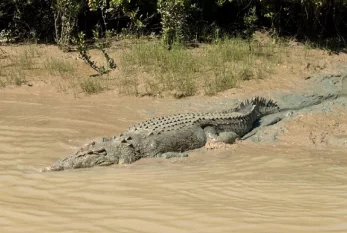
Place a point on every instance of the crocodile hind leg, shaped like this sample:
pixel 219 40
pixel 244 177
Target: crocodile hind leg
pixel 215 140
pixel 226 136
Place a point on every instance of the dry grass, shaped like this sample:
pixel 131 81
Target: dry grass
pixel 146 67
pixel 2 82
pixel 16 77
pixel 15 65
pixel 59 66
pixel 25 58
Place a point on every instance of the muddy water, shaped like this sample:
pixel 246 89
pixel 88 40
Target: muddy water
pixel 248 188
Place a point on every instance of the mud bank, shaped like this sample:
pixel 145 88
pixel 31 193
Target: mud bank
pixel 316 116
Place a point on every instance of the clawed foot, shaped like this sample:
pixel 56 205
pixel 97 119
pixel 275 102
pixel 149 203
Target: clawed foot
pixel 215 144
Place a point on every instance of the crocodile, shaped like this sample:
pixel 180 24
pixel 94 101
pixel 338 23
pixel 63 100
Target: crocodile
pixel 169 136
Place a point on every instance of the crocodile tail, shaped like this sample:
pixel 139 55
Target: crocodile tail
pixel 265 106
pixel 242 107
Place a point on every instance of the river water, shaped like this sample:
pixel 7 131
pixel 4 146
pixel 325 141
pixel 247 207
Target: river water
pixel 246 188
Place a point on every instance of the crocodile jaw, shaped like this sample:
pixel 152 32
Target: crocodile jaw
pixel 84 161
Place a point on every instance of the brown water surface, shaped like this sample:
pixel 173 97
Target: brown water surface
pixel 248 188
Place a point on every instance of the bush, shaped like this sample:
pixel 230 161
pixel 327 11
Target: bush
pixel 178 20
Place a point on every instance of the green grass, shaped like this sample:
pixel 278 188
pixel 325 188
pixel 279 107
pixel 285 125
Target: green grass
pixel 147 67
pixel 172 70
pixel 25 58
pixel 2 82
pixel 128 85
pixel 91 85
pixel 16 77
pixel 59 66
pixel 209 69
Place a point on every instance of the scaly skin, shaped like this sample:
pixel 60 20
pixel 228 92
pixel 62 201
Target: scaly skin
pixel 169 136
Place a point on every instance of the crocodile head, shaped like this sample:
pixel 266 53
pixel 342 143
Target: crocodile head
pixel 89 159
pixel 265 106
pixel 99 155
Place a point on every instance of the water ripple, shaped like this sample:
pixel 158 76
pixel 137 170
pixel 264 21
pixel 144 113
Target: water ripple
pixel 254 188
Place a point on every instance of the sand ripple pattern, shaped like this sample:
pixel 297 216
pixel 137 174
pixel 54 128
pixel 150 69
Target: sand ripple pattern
pixel 252 189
